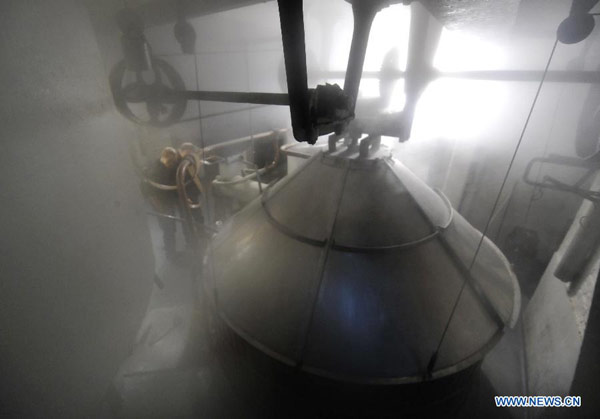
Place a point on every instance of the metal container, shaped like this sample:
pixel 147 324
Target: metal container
pixel 351 279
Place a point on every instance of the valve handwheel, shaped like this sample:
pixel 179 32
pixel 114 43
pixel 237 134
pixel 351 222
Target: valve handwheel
pixel 162 109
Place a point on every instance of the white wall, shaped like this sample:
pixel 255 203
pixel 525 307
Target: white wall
pixel 75 258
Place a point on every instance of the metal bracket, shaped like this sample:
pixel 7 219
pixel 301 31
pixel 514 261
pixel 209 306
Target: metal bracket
pixel 592 164
pixel 369 145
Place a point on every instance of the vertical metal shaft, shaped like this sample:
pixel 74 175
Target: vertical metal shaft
pixel 423 41
pixel 364 13
pixel 292 34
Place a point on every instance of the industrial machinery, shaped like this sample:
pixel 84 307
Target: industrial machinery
pixel 352 271
pixel 348 286
pixel 314 112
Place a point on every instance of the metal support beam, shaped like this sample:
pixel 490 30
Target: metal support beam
pixel 424 37
pixel 280 99
pixel 292 34
pixel 364 12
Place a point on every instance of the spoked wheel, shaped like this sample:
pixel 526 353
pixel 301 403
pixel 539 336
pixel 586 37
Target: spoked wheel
pixel 147 98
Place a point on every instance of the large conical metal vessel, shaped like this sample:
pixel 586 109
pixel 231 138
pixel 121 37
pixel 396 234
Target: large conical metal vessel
pixel 353 270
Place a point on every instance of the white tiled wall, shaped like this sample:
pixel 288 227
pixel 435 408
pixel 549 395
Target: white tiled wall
pixel 238 50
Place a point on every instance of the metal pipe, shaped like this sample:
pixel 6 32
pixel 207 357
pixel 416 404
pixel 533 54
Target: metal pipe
pixel 584 241
pixel 239 180
pixel 187 166
pixel 270 135
pixel 257 172
pixel 353 77
pixel 424 37
pixel 212 115
pixel 589 77
pixel 294 54
pixel 259 98
pixel 558 76
pixel 186 203
pixel 285 149
pixel 364 13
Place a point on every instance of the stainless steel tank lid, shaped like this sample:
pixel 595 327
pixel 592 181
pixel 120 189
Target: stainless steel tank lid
pixel 356 270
